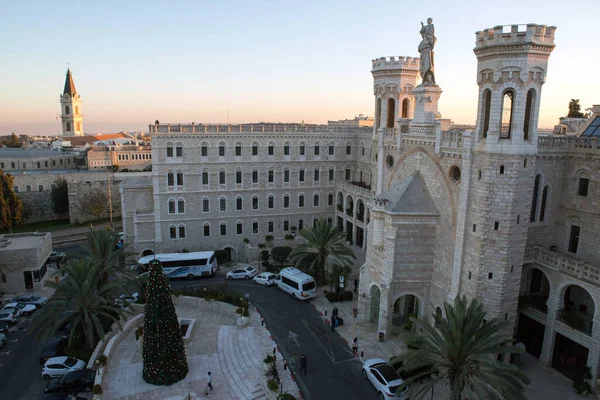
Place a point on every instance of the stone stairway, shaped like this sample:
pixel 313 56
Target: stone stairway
pixel 240 357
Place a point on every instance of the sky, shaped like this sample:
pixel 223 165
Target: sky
pixel 249 61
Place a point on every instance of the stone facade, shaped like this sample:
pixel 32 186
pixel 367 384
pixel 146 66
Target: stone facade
pixel 120 157
pixel 23 258
pixel 23 161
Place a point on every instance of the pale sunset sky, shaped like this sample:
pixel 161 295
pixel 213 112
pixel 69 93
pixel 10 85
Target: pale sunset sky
pixel 279 61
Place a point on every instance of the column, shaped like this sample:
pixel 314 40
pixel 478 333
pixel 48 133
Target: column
pixel 553 304
pixel 385 315
pixel 594 351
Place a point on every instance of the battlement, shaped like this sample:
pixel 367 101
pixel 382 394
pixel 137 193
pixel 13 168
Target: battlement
pixel 513 34
pixel 395 62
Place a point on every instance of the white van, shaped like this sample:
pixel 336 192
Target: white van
pixel 295 282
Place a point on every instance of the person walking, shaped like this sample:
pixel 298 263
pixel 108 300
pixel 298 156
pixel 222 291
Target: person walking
pixel 355 347
pixel 209 383
pixel 293 364
pixel 303 364
pixel 355 285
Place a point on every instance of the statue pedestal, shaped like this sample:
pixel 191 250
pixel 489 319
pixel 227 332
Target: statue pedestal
pixel 426 105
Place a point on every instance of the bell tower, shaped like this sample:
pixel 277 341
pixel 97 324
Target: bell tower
pixel 70 107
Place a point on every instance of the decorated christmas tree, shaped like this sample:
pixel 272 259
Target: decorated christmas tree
pixel 163 351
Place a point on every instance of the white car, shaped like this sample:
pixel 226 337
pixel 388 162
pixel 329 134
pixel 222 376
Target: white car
pixel 10 316
pixel 38 301
pixel 242 273
pixel 60 366
pixel 385 379
pixel 265 278
pixel 22 308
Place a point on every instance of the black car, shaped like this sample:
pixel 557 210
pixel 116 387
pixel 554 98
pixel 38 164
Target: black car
pixel 74 382
pixel 3 327
pixel 53 348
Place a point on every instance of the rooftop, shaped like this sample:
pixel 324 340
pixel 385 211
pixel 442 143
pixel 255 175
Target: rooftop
pixel 21 241
pixel 8 152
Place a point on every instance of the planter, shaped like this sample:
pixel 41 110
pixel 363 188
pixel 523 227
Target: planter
pixel 245 320
pixel 268 366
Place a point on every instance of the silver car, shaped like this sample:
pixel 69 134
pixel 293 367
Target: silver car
pixel 38 301
pixel 10 316
pixel 385 378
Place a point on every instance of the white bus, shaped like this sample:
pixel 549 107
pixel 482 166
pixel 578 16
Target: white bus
pixel 183 265
pixel 295 282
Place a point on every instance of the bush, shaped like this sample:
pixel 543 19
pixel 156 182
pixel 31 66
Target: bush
pixel 289 237
pixel 97 389
pixel 239 310
pixel 269 238
pixel 101 360
pixel 261 245
pixel 342 296
pixel 273 385
pixel 268 359
pixel 246 240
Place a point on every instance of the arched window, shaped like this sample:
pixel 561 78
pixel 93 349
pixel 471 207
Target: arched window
pixel 172 232
pixel 76 110
pixel 221 149
pixel 286 201
pixel 508 98
pixel 79 126
pixel 205 177
pixel 206 229
pixel 223 204
pixel 391 113
pixel 536 188
pixel 238 149
pixel 487 103
pixel 300 200
pixel 527 120
pixel 169 147
pixel 180 206
pixel 171 206
pixel 271 202
pixel 405 105
pixel 181 232
pixel 205 204
pixel 179 150
pixel 378 113
pixel 574 236
pixel 239 203
pixel 68 127
pixel 170 178
pixel 286 148
pixel 255 202
pixel 67 110
pixel 543 205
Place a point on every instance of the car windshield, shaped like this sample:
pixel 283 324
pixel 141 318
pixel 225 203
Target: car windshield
pixel 308 286
pixel 388 373
pixel 35 298
pixel 70 361
pixel 394 389
pixel 20 305
pixel 249 269
pixel 271 277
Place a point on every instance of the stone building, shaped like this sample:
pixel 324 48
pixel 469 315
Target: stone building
pixel 359 121
pixel 499 212
pixel 23 261
pixel 119 156
pixel 19 160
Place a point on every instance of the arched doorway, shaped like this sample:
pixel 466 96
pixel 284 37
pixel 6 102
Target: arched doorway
pixel 405 306
pixel 147 252
pixel 375 294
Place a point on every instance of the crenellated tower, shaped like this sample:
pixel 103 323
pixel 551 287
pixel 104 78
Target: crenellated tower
pixel 70 105
pixel 498 162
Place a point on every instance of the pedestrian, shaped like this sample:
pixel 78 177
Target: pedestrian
pixel 355 285
pixel 293 364
pixel 209 383
pixel 355 347
pixel 303 364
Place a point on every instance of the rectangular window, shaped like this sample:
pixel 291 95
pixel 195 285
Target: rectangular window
pixel 301 200
pixel 39 165
pixel 12 164
pixel 270 226
pixel 330 222
pixel 317 175
pixel 223 228
pixel 271 176
pixel 348 174
pixel 348 150
pixel 331 150
pixel 286 150
pixel 172 232
pixel 255 176
pixel 239 228
pixel 286 201
pixel 204 151
pixel 223 204
pixel 316 200
pixel 221 177
pixel 41 188
pixel 583 187
pixel 181 232
pixel 28 188
pixel 254 150
pixel 331 174
pixel 238 204
pixel 315 222
pixel 302 150
pixel 286 225
pixel 2 164
pixel 271 150
pixel 238 176
pixel 205 205
pixel 255 227
pixel 301 175
pixel 238 150
pixel 574 239
pixel 255 203
pixel 206 230
pixel 330 199
pixel 179 151
pixel 300 224
pixel 221 151
pixel 169 151
pixel 317 150
pixel 286 176
pixel 205 178
pixel 180 179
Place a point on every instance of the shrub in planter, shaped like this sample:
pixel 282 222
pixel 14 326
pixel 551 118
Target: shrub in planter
pixel 101 360
pixel 261 245
pixel 97 389
pixel 246 240
pixel 289 237
pixel 268 359
pixel 273 385
pixel 239 311
pixel 269 238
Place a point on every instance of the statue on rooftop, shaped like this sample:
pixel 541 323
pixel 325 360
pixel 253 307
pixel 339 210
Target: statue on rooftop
pixel 426 49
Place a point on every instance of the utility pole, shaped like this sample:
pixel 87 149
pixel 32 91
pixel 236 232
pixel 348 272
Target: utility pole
pixel 109 196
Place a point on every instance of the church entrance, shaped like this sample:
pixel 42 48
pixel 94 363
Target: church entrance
pixel 375 304
pixel 404 307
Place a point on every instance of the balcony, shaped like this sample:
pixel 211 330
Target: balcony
pixel 562 263
pixel 576 319
pixel 358 189
pixel 536 301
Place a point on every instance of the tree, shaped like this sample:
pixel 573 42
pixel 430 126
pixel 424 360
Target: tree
pixel 60 196
pixel 324 247
pixel 94 202
pixel 11 206
pixel 12 141
pixel 462 349
pixel 163 351
pixel 81 302
pixel 280 254
pixel 575 109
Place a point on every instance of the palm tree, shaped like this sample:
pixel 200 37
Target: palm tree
pixel 462 349
pixel 324 248
pixel 80 301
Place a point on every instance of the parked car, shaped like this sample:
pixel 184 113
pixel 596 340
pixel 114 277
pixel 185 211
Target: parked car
pixel 37 301
pixel 125 300
pixel 3 327
pixel 73 382
pixel 265 278
pixel 22 308
pixel 60 366
pixel 385 379
pixel 57 256
pixel 2 340
pixel 242 273
pixel 54 347
pixel 10 316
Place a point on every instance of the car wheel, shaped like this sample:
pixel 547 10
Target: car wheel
pixel 190 277
pixel 365 374
pixel 246 277
pixel 381 396
pixel 229 277
pixel 46 376
pixel 294 296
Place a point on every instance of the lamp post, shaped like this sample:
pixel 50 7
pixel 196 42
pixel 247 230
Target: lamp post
pixel 433 377
pixel 247 296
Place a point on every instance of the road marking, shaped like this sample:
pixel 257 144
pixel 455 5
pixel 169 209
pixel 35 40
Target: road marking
pixel 6 352
pixel 13 341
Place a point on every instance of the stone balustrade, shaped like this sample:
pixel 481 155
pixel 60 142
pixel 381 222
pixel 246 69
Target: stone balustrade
pixel 244 128
pixel 354 190
pixel 568 145
pixel 562 263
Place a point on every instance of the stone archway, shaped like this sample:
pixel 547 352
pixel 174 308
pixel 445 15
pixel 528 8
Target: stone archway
pixel 147 252
pixel 405 306
pixel 375 294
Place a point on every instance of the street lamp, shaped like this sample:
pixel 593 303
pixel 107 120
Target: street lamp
pixel 247 296
pixel 433 377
